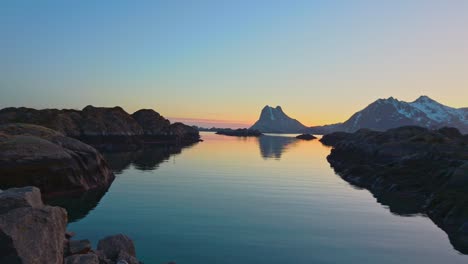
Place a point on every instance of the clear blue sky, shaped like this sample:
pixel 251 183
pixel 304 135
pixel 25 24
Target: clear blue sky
pixel 225 60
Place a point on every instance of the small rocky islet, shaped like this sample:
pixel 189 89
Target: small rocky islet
pixel 413 170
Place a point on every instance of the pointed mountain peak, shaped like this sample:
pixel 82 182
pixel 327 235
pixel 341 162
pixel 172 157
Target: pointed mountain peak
pixel 424 99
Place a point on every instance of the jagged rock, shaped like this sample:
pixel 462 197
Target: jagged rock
pixel 82 259
pixel 112 246
pixel 31 232
pixel 38 156
pixel 79 246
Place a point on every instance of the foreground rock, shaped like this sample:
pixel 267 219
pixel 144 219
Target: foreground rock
pixel 34 155
pixel 105 126
pixel 306 137
pixel 30 232
pixel 412 170
pixel 34 233
pixel 241 132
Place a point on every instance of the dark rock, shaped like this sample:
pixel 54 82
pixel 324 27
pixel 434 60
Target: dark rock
pixel 184 133
pixel 151 122
pixel 31 233
pixel 427 169
pixel 82 259
pixel 112 246
pixel 79 246
pixel 104 128
pixel 125 257
pixel 38 156
pixel 241 132
pixel 20 197
pixel 306 137
pixel 69 234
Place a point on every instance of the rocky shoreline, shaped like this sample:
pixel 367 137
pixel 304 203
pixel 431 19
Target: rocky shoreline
pixel 41 157
pixel 32 232
pixel 412 170
pixel 109 128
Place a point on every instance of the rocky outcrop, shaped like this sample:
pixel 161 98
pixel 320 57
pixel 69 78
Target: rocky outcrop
pixel 30 232
pixel 34 233
pixel 412 170
pixel 113 247
pixel 152 122
pixel 306 137
pixel 102 126
pixel 38 156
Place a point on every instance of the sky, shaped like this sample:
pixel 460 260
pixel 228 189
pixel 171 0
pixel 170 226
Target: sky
pixel 220 62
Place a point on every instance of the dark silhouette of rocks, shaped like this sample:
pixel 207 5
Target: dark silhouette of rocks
pixel 151 122
pixel 412 170
pixel 389 113
pixel 34 155
pixel 109 128
pixel 274 120
pixel 306 137
pixel 241 132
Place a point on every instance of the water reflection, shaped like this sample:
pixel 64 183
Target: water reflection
pixel 145 159
pixel 148 158
pixel 79 205
pixel 272 147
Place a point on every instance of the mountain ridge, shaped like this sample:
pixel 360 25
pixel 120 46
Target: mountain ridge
pixel 384 114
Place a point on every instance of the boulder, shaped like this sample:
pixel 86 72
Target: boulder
pixel 20 197
pixel 30 232
pixel 38 156
pixel 112 246
pixel 153 123
pixel 82 259
pixel 79 246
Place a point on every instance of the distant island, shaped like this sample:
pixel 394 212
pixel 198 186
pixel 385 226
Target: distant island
pixel 241 132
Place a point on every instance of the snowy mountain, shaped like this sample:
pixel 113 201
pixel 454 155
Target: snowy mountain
pixel 274 120
pixel 389 113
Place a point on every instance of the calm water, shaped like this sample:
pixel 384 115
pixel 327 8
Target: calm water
pixel 268 200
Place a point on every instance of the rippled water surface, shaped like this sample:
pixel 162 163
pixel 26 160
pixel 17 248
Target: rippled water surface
pixel 237 200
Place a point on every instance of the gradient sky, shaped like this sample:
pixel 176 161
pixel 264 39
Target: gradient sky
pixel 224 60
